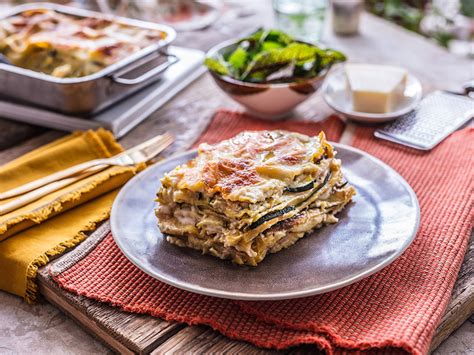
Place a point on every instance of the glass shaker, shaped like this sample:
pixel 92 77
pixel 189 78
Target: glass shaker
pixel 346 15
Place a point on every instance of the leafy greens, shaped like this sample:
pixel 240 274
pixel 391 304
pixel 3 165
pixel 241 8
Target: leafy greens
pixel 269 56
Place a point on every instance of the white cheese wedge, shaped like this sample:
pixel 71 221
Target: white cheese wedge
pixel 375 88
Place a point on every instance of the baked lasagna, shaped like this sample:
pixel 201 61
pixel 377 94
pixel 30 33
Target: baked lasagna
pixel 62 45
pixel 251 195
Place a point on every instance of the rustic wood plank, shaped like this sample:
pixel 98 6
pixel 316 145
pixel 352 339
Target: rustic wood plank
pixel 58 300
pixel 461 305
pixel 29 145
pixel 201 339
pixel 13 133
pixel 121 331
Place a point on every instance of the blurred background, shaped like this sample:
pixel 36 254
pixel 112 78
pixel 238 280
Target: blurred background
pixel 450 23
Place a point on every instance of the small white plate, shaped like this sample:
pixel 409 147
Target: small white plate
pixel 337 97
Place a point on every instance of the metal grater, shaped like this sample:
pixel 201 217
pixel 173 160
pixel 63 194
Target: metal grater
pixel 438 115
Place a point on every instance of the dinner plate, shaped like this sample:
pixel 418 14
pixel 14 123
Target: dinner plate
pixel 372 232
pixel 337 97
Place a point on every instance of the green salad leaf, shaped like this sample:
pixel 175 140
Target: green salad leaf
pixel 262 35
pixel 278 57
pixel 273 56
pixel 216 66
pixel 238 58
pixel 269 45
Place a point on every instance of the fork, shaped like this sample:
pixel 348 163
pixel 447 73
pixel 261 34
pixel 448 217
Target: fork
pixel 129 157
pixel 36 189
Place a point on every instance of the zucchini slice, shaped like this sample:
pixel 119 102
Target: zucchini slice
pixel 287 209
pixel 308 186
pixel 300 188
pixel 270 216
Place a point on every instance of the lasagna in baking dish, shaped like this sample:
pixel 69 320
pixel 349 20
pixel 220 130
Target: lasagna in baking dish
pixel 251 195
pixel 62 45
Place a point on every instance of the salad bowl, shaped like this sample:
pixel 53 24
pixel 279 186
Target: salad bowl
pixel 269 99
pixel 265 100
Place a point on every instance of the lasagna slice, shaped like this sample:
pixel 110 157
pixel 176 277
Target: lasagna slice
pixel 63 46
pixel 251 195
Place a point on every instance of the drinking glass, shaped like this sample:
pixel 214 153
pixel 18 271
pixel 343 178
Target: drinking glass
pixel 302 19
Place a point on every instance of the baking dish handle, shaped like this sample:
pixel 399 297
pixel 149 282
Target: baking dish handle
pixel 172 59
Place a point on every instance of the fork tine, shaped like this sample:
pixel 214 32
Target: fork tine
pixel 151 150
pixel 143 145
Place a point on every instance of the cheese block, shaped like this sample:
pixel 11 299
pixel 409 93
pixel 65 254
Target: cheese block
pixel 375 88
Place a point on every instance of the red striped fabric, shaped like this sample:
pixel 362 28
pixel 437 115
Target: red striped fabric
pixel 396 309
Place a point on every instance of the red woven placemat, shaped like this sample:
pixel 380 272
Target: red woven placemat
pixel 396 308
pixel 227 124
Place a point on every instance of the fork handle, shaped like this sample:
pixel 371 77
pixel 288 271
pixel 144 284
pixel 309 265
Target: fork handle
pixel 31 196
pixel 33 185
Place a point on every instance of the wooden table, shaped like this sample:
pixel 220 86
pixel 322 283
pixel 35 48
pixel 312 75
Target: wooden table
pixel 378 42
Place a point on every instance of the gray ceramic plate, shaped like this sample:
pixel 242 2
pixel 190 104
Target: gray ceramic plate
pixel 372 232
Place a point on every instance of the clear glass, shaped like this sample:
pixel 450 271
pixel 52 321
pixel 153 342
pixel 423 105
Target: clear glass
pixel 303 19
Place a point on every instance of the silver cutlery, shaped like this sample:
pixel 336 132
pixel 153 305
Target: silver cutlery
pixel 34 190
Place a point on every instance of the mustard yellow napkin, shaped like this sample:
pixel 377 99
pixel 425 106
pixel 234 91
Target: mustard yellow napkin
pixel 30 236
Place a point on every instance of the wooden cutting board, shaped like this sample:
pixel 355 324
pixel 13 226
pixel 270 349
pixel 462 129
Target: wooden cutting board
pixel 129 333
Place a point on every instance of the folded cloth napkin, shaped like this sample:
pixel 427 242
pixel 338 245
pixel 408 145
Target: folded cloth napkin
pixel 396 309
pixel 30 235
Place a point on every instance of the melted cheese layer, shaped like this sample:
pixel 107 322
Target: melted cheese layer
pixel 251 166
pixel 66 46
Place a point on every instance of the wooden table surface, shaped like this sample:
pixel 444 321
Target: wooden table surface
pixel 378 42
